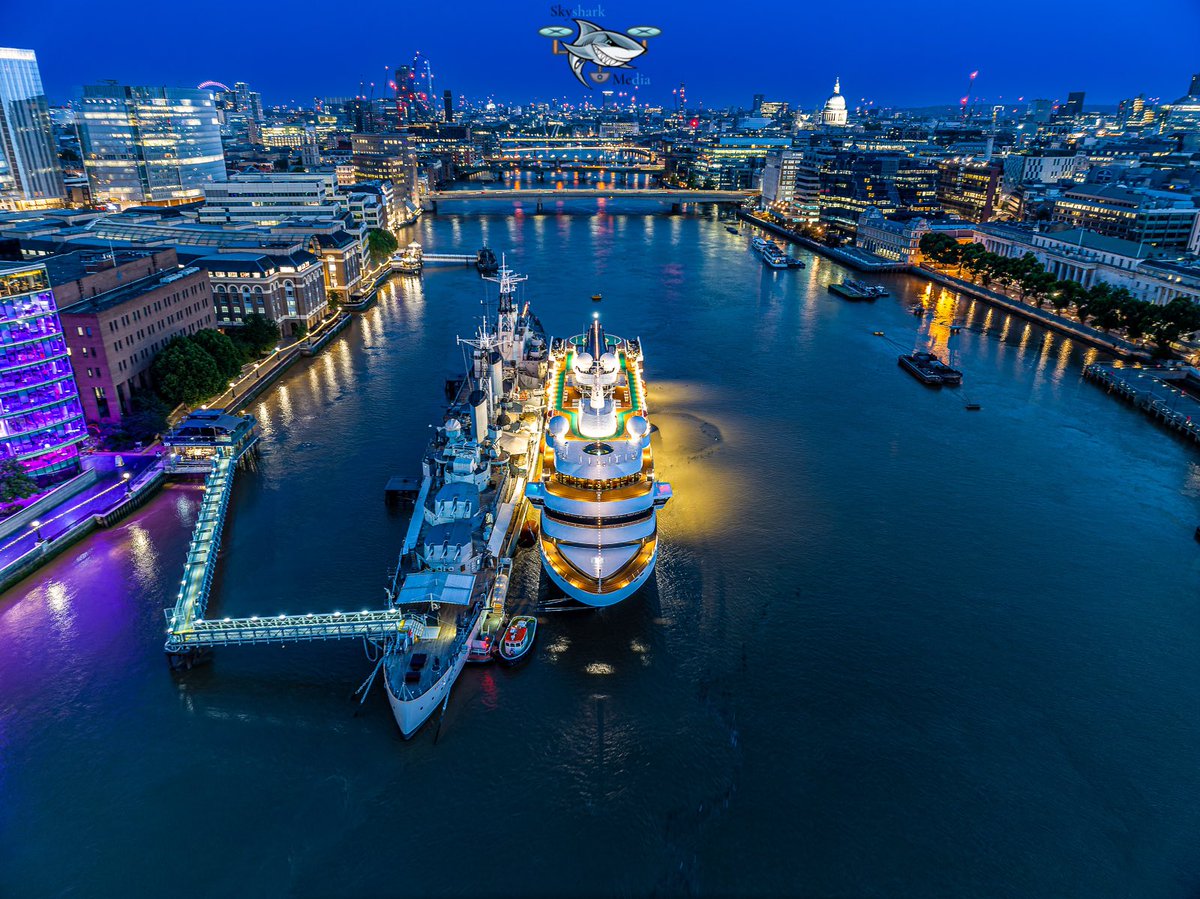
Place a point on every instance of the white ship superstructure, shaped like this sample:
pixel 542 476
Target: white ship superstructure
pixel 598 495
pixel 468 509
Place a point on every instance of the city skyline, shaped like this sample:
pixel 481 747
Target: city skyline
pixel 796 58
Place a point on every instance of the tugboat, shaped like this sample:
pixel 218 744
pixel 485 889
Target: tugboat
pixel 517 639
pixel 486 262
pixel 929 369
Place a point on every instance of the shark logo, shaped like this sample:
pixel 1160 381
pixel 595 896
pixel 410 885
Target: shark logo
pixel 603 48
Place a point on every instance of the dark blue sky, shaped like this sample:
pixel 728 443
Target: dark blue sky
pixel 892 53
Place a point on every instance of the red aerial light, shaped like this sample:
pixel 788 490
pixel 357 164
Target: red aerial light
pixel 694 123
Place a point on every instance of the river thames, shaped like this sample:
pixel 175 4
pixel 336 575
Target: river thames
pixel 892 648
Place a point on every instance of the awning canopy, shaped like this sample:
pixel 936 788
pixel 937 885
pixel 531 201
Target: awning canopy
pixel 437 586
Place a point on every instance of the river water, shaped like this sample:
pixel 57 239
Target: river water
pixel 893 647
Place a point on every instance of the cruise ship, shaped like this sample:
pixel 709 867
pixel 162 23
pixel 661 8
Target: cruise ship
pixel 468 510
pixel 597 493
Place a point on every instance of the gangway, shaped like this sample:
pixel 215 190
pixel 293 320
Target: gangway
pixel 311 626
pixel 463 259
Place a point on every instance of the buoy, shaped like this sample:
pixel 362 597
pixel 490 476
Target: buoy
pixel 878 333
pixel 596 298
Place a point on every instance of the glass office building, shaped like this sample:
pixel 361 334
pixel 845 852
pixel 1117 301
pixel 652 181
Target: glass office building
pixel 149 145
pixel 30 176
pixel 41 419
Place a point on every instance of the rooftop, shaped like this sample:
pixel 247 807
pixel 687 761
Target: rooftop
pixel 102 302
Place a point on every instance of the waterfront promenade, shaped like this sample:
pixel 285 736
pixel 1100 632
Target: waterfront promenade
pixel 861 260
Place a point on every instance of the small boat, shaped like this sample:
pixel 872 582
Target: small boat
pixel 877 290
pixel 793 262
pixel 596 298
pixel 486 262
pixel 479 651
pixel 731 229
pixel 955 327
pixel 919 310
pixel 878 333
pixel 973 407
pixel 517 639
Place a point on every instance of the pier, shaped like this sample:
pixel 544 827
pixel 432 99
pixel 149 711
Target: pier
pixel 1152 390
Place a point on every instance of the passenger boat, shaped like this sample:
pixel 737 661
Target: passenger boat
pixel 517 639
pixel 774 257
pixel 410 260
pixel 929 369
pixel 452 566
pixel 598 496
pixel 758 242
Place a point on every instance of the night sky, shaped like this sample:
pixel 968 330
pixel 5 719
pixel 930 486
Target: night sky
pixel 894 54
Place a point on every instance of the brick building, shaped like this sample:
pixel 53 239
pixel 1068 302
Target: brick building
pixel 118 310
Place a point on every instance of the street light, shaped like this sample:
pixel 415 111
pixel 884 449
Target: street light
pixel 36 527
pixel 125 476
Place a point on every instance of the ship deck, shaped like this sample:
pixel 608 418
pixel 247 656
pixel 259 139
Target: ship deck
pixel 627 394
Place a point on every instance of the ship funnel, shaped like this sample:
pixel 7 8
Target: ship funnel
pixel 479 414
pixel 496 368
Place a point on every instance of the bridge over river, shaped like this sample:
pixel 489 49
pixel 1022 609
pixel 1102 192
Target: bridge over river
pixel 538 196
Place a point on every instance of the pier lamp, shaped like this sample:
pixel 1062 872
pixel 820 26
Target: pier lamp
pixel 36 527
pixel 125 476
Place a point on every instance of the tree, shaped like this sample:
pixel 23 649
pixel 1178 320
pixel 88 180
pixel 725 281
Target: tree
pixel 1065 294
pixel 381 244
pixel 335 300
pixel 225 353
pixel 1038 285
pixel 184 373
pixel 15 482
pixel 259 334
pixel 280 165
pixel 147 419
pixel 1176 319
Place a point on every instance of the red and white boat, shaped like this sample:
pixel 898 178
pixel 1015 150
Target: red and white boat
pixel 517 639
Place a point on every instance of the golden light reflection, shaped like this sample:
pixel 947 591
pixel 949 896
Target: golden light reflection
pixel 143 555
pixel 600 669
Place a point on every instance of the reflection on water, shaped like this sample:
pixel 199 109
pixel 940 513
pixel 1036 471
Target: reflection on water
pixel 874 613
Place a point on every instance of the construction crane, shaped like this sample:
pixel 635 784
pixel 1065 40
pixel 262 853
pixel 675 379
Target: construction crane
pixel 967 96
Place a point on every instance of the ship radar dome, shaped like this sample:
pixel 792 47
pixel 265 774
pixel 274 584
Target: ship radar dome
pixel 453 426
pixel 583 362
pixel 558 426
pixel 637 426
pixel 609 362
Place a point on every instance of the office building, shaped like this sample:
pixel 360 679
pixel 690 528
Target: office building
pixel 41 419
pixel 118 309
pixel 1074 105
pixel 1155 217
pixel 969 189
pixel 287 288
pixel 894 240
pixel 267 198
pixel 149 145
pixel 1040 167
pixel 30 177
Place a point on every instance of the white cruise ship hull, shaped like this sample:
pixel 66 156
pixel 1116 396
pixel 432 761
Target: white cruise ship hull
pixel 600 600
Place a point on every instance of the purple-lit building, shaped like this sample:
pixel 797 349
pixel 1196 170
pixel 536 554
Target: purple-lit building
pixel 41 420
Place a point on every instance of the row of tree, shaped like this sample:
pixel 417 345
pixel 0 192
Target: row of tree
pixel 190 369
pixel 1102 305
